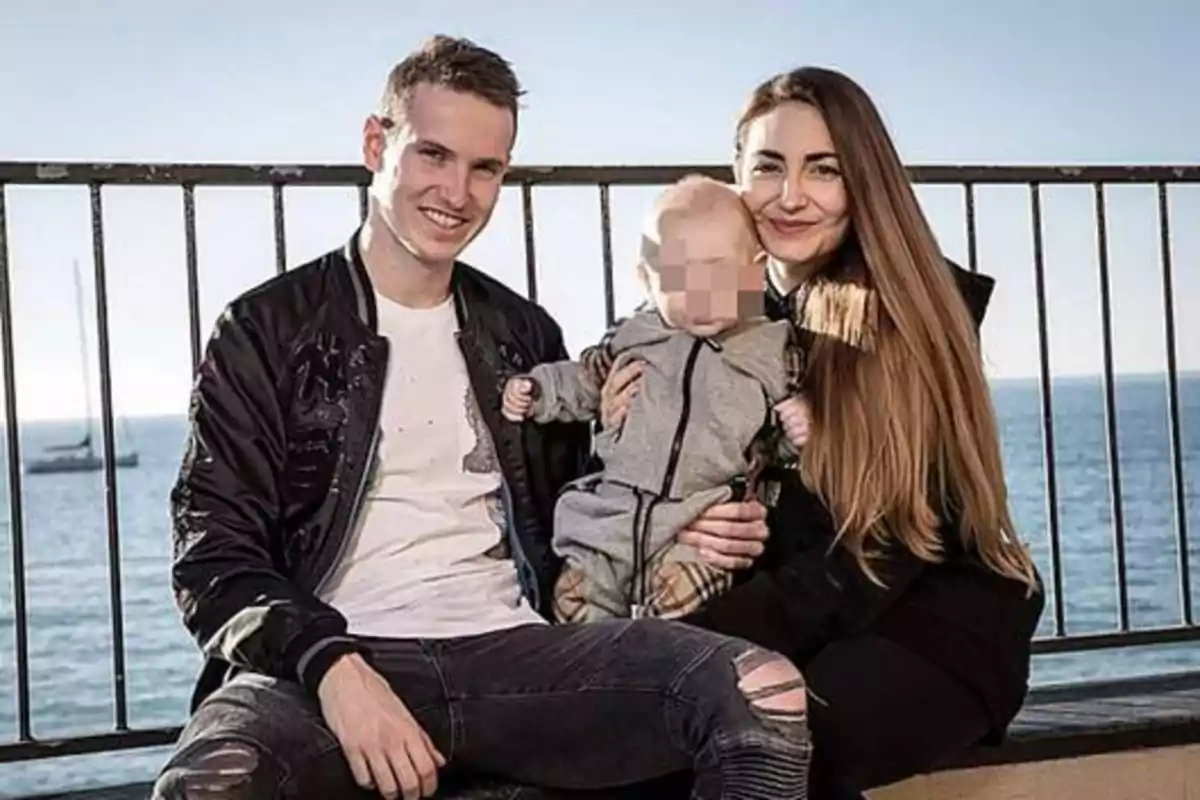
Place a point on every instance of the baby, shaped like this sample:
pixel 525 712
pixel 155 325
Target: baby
pixel 702 422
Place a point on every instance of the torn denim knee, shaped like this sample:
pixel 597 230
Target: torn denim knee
pixel 775 691
pixel 228 769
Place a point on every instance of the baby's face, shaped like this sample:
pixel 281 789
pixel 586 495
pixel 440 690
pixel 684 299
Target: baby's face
pixel 708 276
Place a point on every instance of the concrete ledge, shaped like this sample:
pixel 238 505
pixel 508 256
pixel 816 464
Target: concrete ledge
pixel 1171 773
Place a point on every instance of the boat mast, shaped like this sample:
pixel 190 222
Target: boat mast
pixel 83 363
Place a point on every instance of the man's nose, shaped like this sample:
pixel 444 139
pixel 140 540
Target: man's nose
pixel 455 186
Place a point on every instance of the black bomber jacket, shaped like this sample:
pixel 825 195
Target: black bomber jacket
pixel 282 430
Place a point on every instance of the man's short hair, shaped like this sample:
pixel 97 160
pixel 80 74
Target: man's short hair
pixel 452 63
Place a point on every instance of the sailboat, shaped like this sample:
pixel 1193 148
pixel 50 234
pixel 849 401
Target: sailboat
pixel 78 456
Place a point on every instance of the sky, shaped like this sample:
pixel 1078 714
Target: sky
pixel 614 82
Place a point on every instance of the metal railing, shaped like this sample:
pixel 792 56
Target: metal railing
pixel 279 177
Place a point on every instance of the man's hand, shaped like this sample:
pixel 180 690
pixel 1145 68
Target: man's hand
pixel 729 535
pixel 794 415
pixel 518 399
pixel 385 746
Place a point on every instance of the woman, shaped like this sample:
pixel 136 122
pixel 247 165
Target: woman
pixel 893 577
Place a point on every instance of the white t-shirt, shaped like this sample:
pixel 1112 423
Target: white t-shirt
pixel 428 559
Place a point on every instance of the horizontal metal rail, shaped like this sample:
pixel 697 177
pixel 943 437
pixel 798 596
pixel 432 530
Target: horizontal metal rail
pixel 58 172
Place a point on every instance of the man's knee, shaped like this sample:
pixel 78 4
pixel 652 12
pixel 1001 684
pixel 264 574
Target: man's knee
pixel 761 741
pixel 231 769
pixel 774 689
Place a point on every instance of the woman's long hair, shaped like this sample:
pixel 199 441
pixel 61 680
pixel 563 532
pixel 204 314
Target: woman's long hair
pixel 904 433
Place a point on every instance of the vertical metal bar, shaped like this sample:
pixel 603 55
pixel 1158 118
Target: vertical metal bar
pixel 1039 272
pixel 16 515
pixel 610 303
pixel 110 464
pixel 972 231
pixel 362 203
pixel 280 237
pixel 193 278
pixel 1110 410
pixel 1178 491
pixel 530 253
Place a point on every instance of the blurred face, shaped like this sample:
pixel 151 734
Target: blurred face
pixel 708 277
pixel 438 171
pixel 792 183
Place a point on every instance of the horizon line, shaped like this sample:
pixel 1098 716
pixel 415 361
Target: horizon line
pixel 1190 373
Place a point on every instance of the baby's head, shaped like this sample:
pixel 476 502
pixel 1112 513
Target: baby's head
pixel 699 257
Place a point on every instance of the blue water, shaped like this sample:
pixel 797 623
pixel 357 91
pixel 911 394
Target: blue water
pixel 70 635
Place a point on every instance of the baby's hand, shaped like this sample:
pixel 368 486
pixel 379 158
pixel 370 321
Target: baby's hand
pixel 518 399
pixel 794 415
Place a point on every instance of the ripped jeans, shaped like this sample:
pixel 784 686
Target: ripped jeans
pixel 587 706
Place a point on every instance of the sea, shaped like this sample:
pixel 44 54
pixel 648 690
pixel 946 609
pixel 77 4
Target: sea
pixel 67 556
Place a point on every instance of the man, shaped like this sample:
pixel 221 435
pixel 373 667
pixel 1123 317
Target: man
pixel 362 540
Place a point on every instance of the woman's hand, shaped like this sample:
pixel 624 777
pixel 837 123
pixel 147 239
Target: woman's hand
pixel 617 393
pixel 730 535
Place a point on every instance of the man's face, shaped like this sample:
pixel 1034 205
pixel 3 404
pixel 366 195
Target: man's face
pixel 438 171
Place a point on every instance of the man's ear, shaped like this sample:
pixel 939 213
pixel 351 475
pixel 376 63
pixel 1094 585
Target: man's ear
pixel 374 142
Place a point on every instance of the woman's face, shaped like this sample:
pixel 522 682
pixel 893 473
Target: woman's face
pixel 791 180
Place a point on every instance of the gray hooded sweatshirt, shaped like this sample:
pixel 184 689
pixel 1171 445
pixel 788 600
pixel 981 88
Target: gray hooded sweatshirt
pixel 702 413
